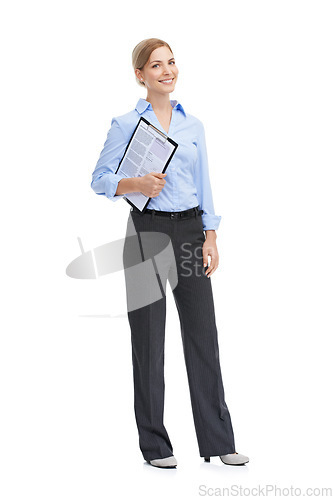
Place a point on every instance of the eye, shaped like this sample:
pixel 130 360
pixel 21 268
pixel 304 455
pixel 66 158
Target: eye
pixel 171 62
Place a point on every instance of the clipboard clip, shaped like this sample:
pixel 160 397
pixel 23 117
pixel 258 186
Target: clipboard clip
pixel 163 137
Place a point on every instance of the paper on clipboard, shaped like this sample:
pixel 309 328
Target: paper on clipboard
pixel 149 150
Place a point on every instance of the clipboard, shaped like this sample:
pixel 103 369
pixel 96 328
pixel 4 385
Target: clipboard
pixel 155 154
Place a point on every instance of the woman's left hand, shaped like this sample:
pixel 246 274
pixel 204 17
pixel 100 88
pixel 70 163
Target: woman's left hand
pixel 210 248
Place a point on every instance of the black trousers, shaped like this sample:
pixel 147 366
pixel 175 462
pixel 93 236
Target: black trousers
pixel 194 300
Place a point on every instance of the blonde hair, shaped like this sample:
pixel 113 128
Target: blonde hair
pixel 142 51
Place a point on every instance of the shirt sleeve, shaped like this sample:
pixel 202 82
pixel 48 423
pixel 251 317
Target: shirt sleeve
pixel 202 181
pixel 104 179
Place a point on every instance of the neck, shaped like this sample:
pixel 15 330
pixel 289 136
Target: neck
pixel 159 102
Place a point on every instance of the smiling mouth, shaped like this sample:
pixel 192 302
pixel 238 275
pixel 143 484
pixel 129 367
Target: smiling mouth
pixel 167 82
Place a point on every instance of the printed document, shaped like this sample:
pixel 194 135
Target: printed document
pixel 149 150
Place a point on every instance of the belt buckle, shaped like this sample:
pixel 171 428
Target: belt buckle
pixel 172 215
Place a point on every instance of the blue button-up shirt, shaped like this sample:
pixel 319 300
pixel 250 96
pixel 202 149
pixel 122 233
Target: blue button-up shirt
pixel 187 180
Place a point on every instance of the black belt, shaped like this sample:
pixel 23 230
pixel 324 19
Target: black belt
pixel 191 212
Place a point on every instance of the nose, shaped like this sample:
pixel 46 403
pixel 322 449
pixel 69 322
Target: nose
pixel 166 70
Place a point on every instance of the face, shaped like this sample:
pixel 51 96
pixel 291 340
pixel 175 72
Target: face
pixel 159 69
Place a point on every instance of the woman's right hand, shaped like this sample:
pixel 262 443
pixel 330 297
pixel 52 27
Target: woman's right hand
pixel 151 184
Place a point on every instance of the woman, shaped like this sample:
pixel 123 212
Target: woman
pixel 181 207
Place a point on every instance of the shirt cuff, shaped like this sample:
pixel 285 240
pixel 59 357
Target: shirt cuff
pixel 111 187
pixel 211 221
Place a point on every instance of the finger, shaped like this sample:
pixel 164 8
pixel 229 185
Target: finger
pixel 208 253
pixel 209 269
pixel 213 266
pixel 211 272
pixel 205 258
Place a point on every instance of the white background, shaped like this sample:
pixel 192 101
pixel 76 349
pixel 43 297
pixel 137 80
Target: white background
pixel 259 76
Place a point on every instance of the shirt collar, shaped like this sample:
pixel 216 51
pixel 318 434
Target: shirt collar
pixel 142 105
